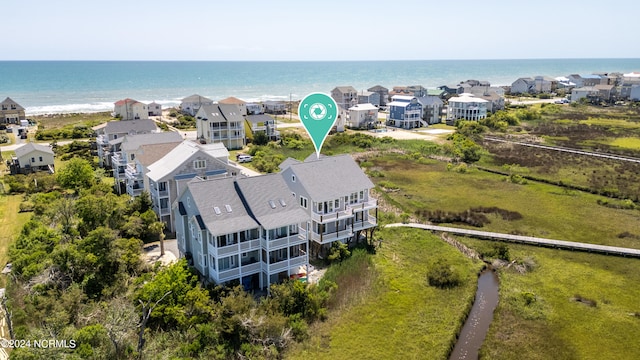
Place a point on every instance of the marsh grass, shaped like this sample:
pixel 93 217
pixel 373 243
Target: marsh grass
pixel 583 307
pixel 547 211
pixel 400 315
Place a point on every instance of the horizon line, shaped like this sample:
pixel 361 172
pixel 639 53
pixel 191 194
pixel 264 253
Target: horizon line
pixel 283 61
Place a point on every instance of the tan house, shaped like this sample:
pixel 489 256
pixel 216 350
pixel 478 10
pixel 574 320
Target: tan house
pixel 32 157
pixel 235 101
pixel 11 112
pixel 129 109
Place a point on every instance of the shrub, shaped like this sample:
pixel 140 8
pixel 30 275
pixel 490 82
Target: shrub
pixel 442 275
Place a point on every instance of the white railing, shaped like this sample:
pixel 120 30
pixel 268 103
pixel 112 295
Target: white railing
pixel 273 244
pixel 250 245
pixel 368 223
pixel 132 172
pixel 332 236
pixel 228 274
pixel 366 205
pixel 246 269
pixel 226 250
pixel 279 266
pixel 332 216
pixel 297 261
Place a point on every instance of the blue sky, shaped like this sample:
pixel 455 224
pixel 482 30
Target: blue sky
pixel 317 30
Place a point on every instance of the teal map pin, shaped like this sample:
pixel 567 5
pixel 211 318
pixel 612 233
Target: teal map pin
pixel 318 113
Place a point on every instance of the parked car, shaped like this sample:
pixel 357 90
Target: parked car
pixel 244 158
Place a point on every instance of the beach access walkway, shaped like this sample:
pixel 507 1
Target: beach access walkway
pixel 528 240
pixel 567 150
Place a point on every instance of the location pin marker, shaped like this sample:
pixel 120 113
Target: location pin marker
pixel 318 113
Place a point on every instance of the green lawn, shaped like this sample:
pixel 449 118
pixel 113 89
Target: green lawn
pixel 11 221
pixel 547 211
pixel 400 316
pixel 555 326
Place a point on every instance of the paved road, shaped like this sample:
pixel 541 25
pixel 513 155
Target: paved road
pixel 529 240
pixel 567 150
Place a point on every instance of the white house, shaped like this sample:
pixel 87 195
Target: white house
pixel 362 116
pixel 11 112
pixel 191 104
pixel 167 178
pixel 31 157
pixel 466 106
pixel 583 92
pixel 155 109
pixel 345 96
pixel 634 94
pixel 221 123
pixel 335 193
pixel 129 109
pixel 254 109
pixel 110 134
pixel 244 229
pixel 431 109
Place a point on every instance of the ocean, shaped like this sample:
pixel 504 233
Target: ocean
pixel 89 86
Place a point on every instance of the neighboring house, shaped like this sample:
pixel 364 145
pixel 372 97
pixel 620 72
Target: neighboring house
pixel 11 112
pixel 467 107
pixel 127 148
pixel 155 109
pixel 564 83
pixel 244 229
pixel 437 92
pixel 191 104
pixel 32 157
pixel 634 93
pixel 263 123
pixel 129 109
pixel 588 92
pixel 606 93
pixel 255 109
pixel 369 97
pixel 275 107
pixel 109 136
pixel 146 155
pixel 524 85
pixel 167 178
pixel 495 100
pixel 405 112
pixel 383 92
pixel 585 80
pixel 335 193
pixel 235 101
pixel 629 81
pixel 411 90
pixel 345 96
pixel 432 107
pixel 221 123
pixel 449 89
pixel 362 116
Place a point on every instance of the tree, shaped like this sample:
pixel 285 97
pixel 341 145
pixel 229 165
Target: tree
pixel 260 138
pixel 76 174
pixel 158 228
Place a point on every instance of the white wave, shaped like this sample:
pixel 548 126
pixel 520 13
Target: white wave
pixel 69 108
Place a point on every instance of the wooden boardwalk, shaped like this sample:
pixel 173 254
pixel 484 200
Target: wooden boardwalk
pixel 529 240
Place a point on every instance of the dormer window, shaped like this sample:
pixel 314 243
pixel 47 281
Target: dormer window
pixel 200 164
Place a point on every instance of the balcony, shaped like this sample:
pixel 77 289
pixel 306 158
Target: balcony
pixel 332 236
pixel 135 189
pixel 276 243
pixel 332 216
pixel 251 268
pixel 278 267
pixel 118 160
pixel 367 205
pixel 250 245
pixel 226 275
pixel 162 211
pixel 131 172
pixel 368 223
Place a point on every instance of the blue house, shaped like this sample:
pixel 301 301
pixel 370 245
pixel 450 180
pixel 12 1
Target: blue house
pixel 405 112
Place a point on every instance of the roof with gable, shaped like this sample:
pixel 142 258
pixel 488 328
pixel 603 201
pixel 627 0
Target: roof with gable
pixel 9 101
pixel 430 100
pixel 232 100
pixel 130 126
pixel 377 88
pixel 127 101
pixel 177 157
pixel 220 193
pixel 133 142
pixel 346 89
pixel 150 153
pixel 288 162
pixel 196 98
pixel 222 112
pixel 30 147
pixel 260 118
pixel 467 98
pixel 330 177
pixel 270 201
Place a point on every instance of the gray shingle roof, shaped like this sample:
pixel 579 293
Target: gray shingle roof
pixel 218 193
pixel 130 126
pixel 287 162
pixel 196 98
pixel 254 119
pixel 132 142
pixel 29 147
pixel 331 177
pixel 8 102
pixel 271 201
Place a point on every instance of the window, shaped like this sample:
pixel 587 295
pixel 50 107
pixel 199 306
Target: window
pixel 162 186
pixel 303 202
pixel 293 178
pixel 217 210
pixel 361 195
pixel 133 156
pixel 228 208
pixel 212 261
pixel 199 164
pixel 230 262
pixel 40 158
pixel 272 204
pixel 33 159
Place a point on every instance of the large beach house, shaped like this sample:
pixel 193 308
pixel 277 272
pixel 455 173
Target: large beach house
pixel 221 123
pixel 11 112
pixel 467 107
pixel 405 112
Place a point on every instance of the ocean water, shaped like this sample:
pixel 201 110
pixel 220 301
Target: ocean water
pixel 90 86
